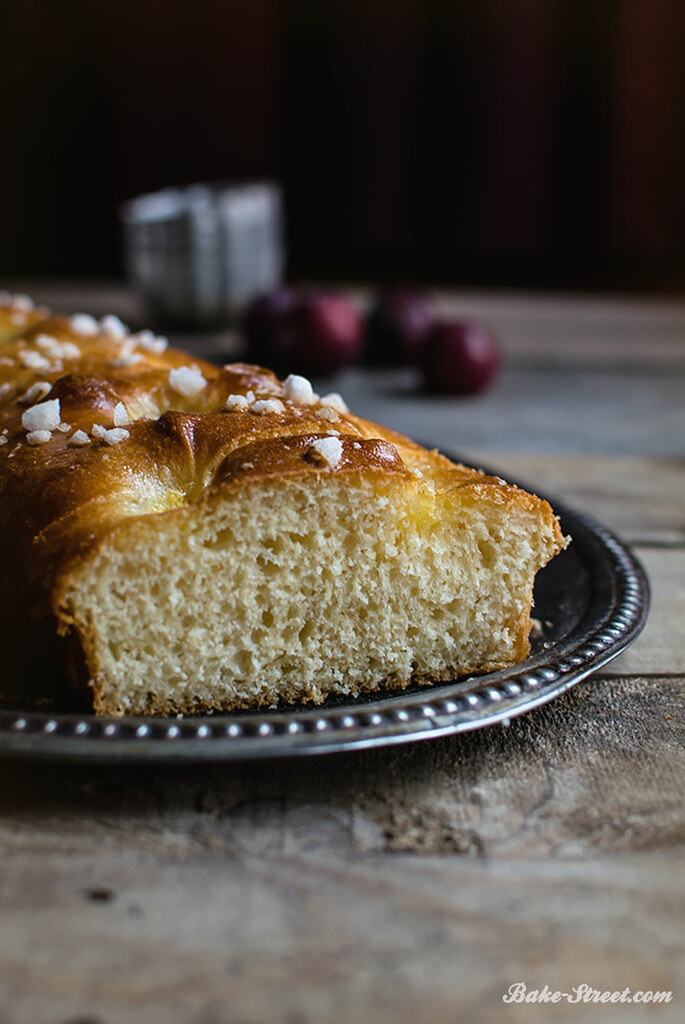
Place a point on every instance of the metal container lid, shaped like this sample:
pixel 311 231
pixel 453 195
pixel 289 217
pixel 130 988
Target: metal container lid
pixel 199 254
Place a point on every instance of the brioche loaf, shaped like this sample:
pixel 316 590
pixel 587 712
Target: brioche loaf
pixel 185 538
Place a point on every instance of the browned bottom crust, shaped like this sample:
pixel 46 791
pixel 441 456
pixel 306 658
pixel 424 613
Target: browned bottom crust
pixel 305 695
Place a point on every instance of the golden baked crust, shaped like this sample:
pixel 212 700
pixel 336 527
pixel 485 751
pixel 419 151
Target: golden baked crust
pixel 158 437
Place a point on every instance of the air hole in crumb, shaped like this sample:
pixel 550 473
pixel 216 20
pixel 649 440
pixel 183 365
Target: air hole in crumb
pixel 301 538
pixel 306 631
pixel 268 568
pixel 244 661
pixel 488 553
pixel 223 539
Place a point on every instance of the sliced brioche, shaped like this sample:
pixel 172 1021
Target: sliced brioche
pixel 209 539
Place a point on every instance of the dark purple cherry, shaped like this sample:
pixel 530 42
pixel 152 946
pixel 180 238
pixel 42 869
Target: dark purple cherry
pixel 459 358
pixel 327 334
pixel 396 328
pixel 267 326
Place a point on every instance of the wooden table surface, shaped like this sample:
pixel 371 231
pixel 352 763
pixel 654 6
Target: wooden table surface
pixel 416 883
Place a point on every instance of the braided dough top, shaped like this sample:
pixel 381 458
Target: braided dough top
pixel 98 424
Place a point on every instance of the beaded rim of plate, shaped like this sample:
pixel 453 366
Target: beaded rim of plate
pixel 617 611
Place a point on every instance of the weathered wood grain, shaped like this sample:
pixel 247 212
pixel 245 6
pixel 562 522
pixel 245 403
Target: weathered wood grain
pixel 325 939
pixel 619 334
pixel 660 648
pixel 408 884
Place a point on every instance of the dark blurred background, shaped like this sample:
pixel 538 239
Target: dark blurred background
pixel 536 143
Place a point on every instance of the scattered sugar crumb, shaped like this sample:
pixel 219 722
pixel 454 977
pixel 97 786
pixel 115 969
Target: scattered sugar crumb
pixel 335 401
pixel 127 360
pixel 83 323
pixel 116 435
pixel 68 350
pixel 121 416
pixel 151 342
pixel 329 449
pixel 126 346
pixel 46 341
pixel 33 360
pixel 5 389
pixel 113 436
pixel 113 327
pixel 56 348
pixel 79 438
pixel 264 406
pixel 35 437
pixel 187 380
pixel 328 413
pixel 45 416
pixel 237 403
pixel 298 389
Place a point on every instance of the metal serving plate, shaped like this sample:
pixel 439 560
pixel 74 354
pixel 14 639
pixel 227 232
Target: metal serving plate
pixel 592 600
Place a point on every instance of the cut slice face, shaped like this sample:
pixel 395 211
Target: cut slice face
pixel 281 588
